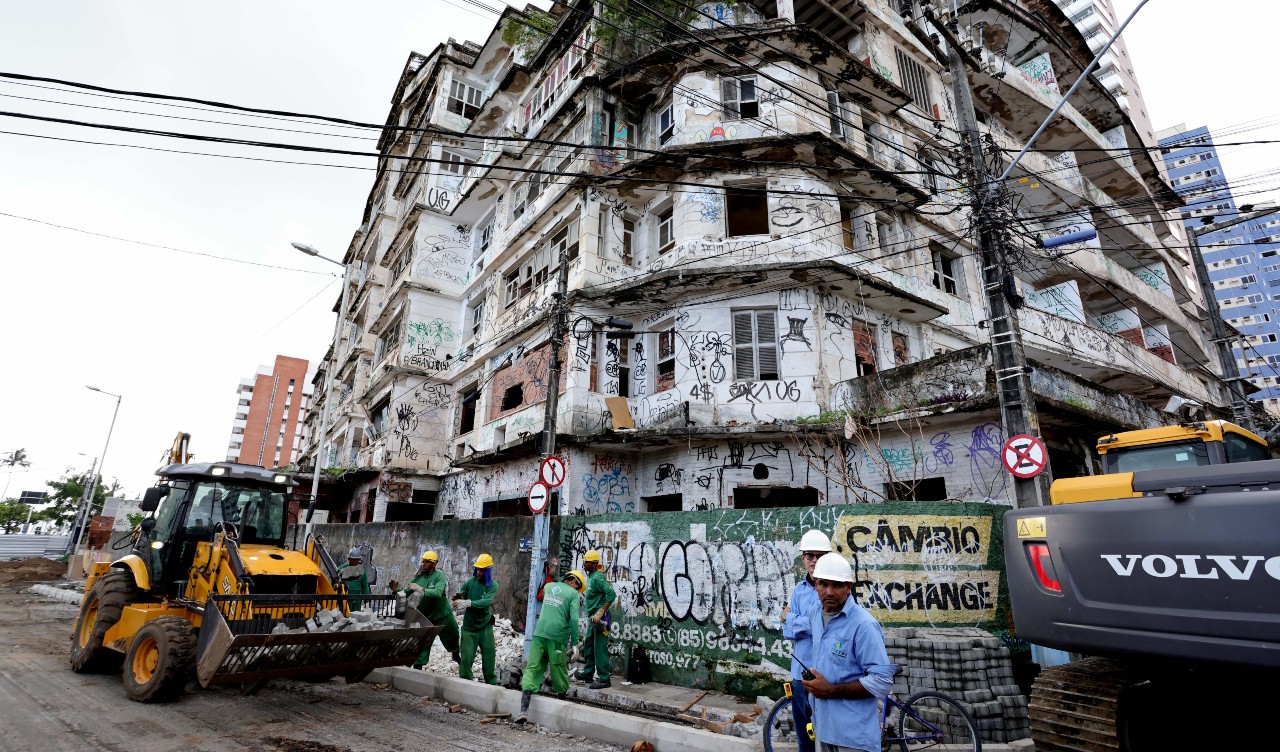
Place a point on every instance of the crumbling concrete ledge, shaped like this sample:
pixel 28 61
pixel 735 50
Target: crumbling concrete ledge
pixel 563 716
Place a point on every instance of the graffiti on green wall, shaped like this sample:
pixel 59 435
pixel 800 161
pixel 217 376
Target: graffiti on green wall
pixel 703 592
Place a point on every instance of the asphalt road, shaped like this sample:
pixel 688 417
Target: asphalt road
pixel 45 707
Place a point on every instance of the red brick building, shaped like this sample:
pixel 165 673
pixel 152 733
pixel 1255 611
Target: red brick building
pixel 271 409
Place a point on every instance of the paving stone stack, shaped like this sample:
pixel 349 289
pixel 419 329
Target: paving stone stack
pixel 968 664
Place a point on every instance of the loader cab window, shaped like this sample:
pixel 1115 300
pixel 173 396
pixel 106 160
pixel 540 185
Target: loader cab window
pixel 257 512
pixel 1241 449
pixel 167 515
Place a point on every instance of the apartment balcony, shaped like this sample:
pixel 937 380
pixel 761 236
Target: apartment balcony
pixel 699 267
pixel 964 382
pixel 1111 360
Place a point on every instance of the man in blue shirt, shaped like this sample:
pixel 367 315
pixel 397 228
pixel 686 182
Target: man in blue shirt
pixel 795 627
pixel 851 669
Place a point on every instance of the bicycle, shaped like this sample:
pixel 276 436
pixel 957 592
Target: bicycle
pixel 924 720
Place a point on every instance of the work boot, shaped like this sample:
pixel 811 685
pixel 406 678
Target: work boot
pixel 524 707
pixel 602 684
pixel 582 676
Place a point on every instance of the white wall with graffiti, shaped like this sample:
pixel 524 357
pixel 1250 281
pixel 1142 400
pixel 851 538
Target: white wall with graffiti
pixel 957 460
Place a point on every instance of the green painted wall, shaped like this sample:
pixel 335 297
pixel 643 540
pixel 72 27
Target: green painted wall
pixel 703 591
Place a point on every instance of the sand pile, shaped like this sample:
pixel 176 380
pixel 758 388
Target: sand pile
pixel 36 569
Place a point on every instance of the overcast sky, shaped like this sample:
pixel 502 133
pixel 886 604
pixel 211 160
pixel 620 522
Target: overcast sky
pixel 174 333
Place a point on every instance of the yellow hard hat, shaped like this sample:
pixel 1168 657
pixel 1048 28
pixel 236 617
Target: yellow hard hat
pixel 592 555
pixel 430 556
pixel 580 577
pixel 484 561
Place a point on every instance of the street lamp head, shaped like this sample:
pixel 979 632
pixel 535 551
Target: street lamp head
pixel 92 388
pixel 306 249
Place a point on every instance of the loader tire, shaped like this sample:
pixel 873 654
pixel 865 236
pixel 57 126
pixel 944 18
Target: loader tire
pixel 99 612
pixel 160 660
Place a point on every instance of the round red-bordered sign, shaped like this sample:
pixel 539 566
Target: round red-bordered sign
pixel 538 496
pixel 552 471
pixel 1024 456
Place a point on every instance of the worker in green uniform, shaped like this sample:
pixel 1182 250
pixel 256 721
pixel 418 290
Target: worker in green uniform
pixel 354 577
pixel 600 597
pixel 476 596
pixel 428 588
pixel 556 631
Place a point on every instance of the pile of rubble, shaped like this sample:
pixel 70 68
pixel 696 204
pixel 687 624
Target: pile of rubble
pixel 968 664
pixel 332 620
pixel 508 656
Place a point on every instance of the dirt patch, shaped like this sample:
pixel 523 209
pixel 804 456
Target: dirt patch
pixel 31 570
pixel 299 745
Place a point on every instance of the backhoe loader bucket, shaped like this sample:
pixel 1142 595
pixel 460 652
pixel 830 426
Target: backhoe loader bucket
pixel 237 643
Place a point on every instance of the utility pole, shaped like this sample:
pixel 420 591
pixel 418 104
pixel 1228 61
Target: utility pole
pixel 86 499
pixel 1013 380
pixel 1240 412
pixel 542 520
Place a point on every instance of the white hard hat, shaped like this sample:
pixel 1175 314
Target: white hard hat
pixel 833 567
pixel 815 540
pixel 355 554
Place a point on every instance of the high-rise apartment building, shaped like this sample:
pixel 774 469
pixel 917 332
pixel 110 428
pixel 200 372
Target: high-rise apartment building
pixel 272 406
pixel 1243 259
pixel 1096 20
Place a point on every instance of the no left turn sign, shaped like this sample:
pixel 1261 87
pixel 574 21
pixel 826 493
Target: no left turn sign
pixel 538 495
pixel 1024 456
pixel 552 471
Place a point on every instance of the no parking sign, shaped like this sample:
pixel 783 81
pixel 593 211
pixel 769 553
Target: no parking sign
pixel 1024 456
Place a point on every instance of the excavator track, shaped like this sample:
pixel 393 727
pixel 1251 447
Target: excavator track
pixel 1076 707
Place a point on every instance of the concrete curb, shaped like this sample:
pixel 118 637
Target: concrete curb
pixel 58 594
pixel 562 716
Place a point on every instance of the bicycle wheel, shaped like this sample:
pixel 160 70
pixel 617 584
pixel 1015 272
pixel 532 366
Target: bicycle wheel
pixel 931 719
pixel 780 733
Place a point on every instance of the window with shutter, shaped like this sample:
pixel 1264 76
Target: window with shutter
pixel 837 117
pixel 864 347
pixel 666 230
pixel 666 375
pixel 915 81
pixel 755 345
pixel 666 123
pixel 738 98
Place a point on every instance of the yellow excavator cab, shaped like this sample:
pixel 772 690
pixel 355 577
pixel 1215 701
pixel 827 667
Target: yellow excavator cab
pixel 1191 444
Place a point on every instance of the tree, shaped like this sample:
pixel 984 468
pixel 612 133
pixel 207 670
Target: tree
pixel 66 494
pixel 16 458
pixel 12 515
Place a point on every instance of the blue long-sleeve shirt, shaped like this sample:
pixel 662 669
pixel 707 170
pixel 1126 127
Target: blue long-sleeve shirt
pixel 804 599
pixel 850 648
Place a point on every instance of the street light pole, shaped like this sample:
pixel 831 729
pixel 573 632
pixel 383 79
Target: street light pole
pixel 331 366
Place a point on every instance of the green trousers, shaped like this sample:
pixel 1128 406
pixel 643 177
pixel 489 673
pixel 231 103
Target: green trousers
pixel 484 640
pixel 448 636
pixel 545 654
pixel 595 653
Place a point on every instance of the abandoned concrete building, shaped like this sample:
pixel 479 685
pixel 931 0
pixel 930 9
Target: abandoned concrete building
pixel 775 196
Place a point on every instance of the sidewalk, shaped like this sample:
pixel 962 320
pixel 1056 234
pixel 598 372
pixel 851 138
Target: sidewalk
pixel 623 714
pixel 613 725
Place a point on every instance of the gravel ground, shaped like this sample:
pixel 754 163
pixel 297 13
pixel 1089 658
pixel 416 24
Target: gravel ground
pixel 48 708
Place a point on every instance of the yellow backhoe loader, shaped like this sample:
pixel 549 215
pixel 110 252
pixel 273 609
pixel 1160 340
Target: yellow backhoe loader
pixel 211 589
